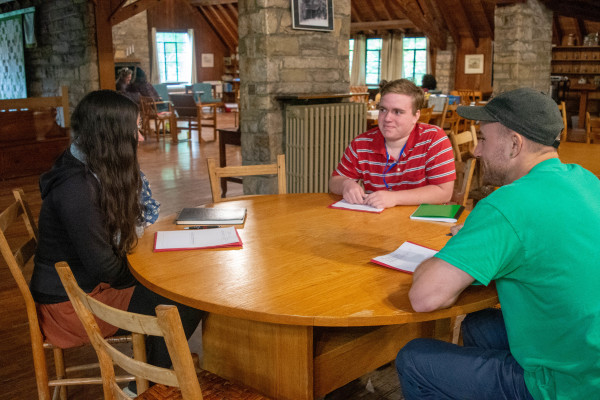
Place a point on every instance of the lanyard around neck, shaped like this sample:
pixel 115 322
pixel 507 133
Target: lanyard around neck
pixel 387 160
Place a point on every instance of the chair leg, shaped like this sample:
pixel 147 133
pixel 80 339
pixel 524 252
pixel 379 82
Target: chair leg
pixel 59 365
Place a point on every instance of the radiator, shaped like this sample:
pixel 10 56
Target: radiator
pixel 315 139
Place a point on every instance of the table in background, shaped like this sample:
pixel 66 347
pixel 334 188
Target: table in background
pixel 300 311
pixel 586 155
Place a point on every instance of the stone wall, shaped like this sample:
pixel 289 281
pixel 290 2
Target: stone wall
pixel 522 47
pixel 66 53
pixel 131 41
pixel 278 60
pixel 445 66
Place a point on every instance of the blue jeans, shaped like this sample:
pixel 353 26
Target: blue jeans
pixel 482 369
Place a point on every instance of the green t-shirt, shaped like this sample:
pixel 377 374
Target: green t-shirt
pixel 539 239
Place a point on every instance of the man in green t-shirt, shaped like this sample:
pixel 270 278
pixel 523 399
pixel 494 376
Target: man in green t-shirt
pixel 536 237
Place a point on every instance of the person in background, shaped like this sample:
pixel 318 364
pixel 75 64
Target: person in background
pixel 141 87
pixel 400 162
pixel 535 237
pixel 95 204
pixel 378 95
pixel 124 79
pixel 429 83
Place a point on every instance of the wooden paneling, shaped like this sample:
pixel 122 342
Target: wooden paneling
pixel 180 15
pixel 481 82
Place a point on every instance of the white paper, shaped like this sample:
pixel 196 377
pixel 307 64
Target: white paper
pixel 407 257
pixel 195 238
pixel 357 207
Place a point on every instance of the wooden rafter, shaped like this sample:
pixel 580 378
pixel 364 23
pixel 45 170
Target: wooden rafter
pixel 356 15
pixel 450 23
pixel 124 13
pixel 413 12
pixel 460 9
pixel 400 24
pixel 485 21
pixel 578 32
pixel 556 29
pixel 204 3
pixel 216 22
pixel 228 23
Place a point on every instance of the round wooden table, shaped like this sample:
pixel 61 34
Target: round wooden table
pixel 300 310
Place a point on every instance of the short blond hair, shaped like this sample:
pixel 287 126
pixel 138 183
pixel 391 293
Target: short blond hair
pixel 406 87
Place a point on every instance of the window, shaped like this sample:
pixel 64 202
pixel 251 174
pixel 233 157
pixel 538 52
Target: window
pixel 373 63
pixel 174 55
pixel 414 59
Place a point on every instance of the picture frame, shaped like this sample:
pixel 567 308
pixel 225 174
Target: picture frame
pixel 314 15
pixel 474 64
pixel 208 60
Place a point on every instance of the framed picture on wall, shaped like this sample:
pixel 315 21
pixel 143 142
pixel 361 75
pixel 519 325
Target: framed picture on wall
pixel 315 15
pixel 474 64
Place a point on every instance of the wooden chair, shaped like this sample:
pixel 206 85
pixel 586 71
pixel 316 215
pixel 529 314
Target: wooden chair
pixel 592 127
pixel 563 111
pixel 426 114
pixel 451 121
pixel 468 96
pixel 150 112
pixel 464 178
pixel 187 109
pixel 463 144
pixel 181 382
pixel 360 94
pixel 216 173
pixel 17 259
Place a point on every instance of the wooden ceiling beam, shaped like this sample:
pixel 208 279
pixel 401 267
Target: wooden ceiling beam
pixel 401 24
pixel 585 9
pixel 413 12
pixel 450 23
pixel 487 24
pixel 124 13
pixel 228 23
pixel 460 9
pixel 557 33
pixel 214 20
pixel 204 3
pixel 354 13
pixel 578 31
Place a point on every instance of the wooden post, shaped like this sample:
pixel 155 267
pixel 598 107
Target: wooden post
pixel 106 62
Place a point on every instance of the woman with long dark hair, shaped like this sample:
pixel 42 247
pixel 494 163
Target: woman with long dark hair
pixel 93 209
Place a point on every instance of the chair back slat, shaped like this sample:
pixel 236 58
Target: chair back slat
pixel 459 140
pixel 166 324
pixel 216 173
pixel 16 258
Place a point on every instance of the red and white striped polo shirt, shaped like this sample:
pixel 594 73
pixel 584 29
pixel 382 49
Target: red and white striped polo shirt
pixel 427 159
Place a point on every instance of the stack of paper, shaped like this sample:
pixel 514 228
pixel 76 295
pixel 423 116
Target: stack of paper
pixel 196 239
pixel 405 258
pixel 344 205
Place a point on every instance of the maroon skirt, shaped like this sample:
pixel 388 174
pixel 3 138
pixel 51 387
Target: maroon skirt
pixel 61 326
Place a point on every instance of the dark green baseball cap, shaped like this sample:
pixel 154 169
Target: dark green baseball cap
pixel 526 111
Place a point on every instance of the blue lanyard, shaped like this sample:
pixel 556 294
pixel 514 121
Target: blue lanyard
pixel 387 159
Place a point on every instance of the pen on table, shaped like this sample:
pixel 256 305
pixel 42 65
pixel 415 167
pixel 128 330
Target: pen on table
pixel 202 227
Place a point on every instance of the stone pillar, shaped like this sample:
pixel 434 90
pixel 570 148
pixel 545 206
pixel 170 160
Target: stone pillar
pixel 445 66
pixel 522 47
pixel 278 60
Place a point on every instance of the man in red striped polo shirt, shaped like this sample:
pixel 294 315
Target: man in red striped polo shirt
pixel 401 162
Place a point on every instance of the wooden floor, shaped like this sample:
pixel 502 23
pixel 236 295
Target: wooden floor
pixel 178 178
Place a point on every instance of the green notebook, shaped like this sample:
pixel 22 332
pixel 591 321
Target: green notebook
pixel 438 212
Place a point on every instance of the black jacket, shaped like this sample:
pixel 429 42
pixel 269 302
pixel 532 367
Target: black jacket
pixel 71 229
